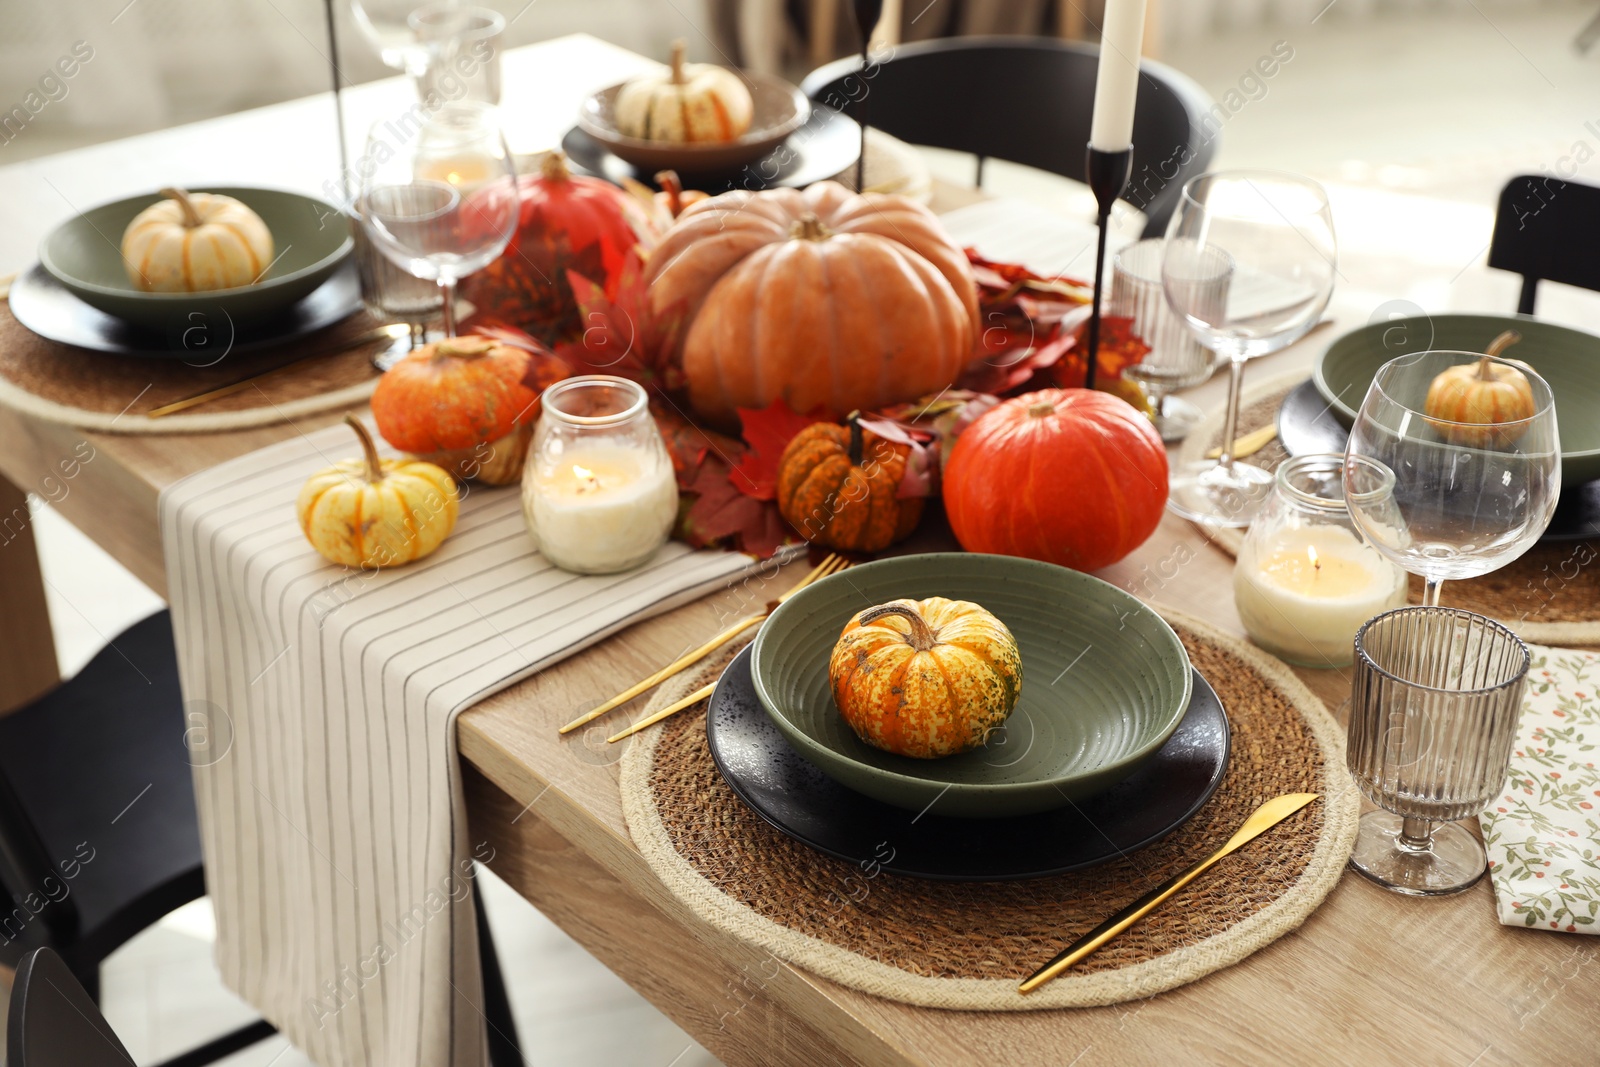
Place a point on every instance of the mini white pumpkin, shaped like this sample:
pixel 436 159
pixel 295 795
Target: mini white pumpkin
pixel 689 102
pixel 195 242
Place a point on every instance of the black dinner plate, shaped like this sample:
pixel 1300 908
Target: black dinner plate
pixel 829 142
pixel 46 307
pixel 801 801
pixel 1306 424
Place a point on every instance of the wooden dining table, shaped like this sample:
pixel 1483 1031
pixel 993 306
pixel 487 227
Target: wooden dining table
pixel 1371 977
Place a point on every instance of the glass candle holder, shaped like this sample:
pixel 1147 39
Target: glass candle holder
pixel 598 489
pixel 1305 581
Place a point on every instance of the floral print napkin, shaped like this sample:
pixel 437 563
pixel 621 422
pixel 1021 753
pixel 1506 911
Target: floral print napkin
pixel 1542 833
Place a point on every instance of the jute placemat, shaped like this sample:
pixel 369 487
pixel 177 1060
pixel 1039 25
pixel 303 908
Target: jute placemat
pixel 109 393
pixel 1550 595
pixel 966 945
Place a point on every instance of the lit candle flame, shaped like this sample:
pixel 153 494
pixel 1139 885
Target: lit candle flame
pixel 1316 564
pixel 587 482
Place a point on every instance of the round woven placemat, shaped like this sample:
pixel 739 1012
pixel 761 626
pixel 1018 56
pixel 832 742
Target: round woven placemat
pixel 967 945
pixel 1551 594
pixel 110 393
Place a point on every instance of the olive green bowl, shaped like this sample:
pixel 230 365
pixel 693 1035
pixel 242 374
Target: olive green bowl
pixel 310 239
pixel 1105 681
pixel 1566 358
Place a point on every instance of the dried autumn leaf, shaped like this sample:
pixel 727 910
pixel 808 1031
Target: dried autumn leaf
pixel 767 432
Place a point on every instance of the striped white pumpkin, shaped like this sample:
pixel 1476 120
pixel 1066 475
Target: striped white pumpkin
pixel 689 102
pixel 195 242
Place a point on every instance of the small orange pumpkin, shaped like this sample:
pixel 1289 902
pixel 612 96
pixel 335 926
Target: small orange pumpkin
pixel 467 404
pixel 925 678
pixel 1484 395
pixel 839 486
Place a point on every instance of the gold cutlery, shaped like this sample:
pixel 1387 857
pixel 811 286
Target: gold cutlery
pixel 831 564
pixel 391 332
pixel 665 713
pixel 1250 443
pixel 1263 819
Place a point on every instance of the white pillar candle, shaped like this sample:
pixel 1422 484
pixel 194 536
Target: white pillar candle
pixel 1304 595
pixel 1116 84
pixel 601 507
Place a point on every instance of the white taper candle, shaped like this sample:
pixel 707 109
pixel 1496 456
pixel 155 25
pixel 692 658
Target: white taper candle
pixel 1116 83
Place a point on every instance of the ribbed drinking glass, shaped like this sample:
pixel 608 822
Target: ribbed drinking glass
pixel 1433 715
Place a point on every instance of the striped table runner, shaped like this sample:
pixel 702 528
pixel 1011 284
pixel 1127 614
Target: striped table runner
pixel 321 704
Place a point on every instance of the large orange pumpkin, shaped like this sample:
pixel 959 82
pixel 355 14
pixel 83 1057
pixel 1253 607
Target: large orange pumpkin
pixel 1075 477
pixel 839 486
pixel 824 298
pixel 467 404
pixel 568 222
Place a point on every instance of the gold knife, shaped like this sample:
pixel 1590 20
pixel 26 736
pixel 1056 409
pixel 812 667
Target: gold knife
pixel 382 333
pixel 1250 443
pixel 1263 819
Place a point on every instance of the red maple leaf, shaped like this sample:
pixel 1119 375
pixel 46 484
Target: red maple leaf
pixel 619 334
pixel 767 432
pixel 721 512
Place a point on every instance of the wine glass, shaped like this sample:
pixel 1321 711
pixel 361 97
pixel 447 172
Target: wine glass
pixel 1274 233
pixel 439 197
pixel 1448 499
pixel 387 26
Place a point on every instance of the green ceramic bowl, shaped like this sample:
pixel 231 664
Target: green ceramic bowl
pixel 1566 358
pixel 311 238
pixel 1104 683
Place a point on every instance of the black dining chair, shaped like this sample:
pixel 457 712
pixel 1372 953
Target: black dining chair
pixel 1029 100
pixel 54 1022
pixel 98 833
pixel 1546 229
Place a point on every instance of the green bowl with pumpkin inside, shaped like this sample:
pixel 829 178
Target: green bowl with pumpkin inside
pixel 1105 682
pixel 311 238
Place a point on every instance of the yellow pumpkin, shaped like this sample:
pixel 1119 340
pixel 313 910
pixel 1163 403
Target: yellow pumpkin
pixel 195 242
pixel 377 513
pixel 925 678
pixel 687 102
pixel 1484 396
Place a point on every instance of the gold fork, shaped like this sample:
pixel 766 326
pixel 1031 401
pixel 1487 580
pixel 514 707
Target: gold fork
pixel 832 564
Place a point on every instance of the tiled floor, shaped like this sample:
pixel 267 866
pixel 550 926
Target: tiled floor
pixel 1446 103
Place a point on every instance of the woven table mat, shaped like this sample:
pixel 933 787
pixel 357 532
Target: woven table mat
pixel 111 393
pixel 1550 595
pixel 966 945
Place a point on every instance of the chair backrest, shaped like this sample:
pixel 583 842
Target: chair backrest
pixel 1546 229
pixel 54 1023
pixel 1028 100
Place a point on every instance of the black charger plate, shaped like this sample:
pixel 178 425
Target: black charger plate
pixel 829 142
pixel 1306 424
pixel 810 807
pixel 50 310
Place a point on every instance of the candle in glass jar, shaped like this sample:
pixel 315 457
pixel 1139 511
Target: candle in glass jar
pixel 1304 595
pixel 463 171
pixel 597 508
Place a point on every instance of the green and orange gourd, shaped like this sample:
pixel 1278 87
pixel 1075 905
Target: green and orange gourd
pixel 925 678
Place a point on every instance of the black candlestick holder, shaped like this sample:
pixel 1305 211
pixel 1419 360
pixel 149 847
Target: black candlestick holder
pixel 1107 174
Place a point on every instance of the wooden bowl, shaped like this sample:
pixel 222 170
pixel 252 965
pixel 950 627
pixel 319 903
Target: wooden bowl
pixel 780 109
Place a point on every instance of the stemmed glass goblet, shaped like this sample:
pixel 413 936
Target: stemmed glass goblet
pixel 439 198
pixel 1274 233
pixel 1447 499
